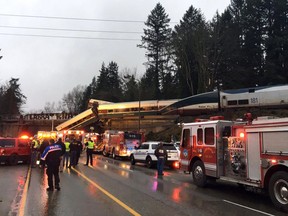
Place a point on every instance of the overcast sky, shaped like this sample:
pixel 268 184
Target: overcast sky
pixel 54 62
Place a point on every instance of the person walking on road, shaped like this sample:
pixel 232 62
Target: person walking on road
pixel 59 141
pixel 73 153
pixel 161 155
pixel 66 158
pixel 89 151
pixel 43 145
pixel 51 156
pixel 79 150
pixel 35 151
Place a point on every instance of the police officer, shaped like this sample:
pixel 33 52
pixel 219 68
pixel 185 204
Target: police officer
pixel 161 155
pixel 89 151
pixel 51 156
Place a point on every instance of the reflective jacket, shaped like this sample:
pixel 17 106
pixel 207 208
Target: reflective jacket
pixel 90 145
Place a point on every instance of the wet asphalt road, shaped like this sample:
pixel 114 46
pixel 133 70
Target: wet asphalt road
pixel 113 187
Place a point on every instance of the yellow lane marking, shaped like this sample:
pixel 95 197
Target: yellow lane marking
pixel 108 194
pixel 24 195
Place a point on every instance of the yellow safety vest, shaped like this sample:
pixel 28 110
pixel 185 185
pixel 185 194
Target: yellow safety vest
pixel 90 145
pixel 67 146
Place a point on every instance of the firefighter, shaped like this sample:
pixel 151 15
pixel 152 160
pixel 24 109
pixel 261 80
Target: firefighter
pixel 51 156
pixel 35 151
pixel 161 155
pixel 89 150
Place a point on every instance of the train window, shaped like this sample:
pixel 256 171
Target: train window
pixel 186 138
pixel 199 136
pixel 232 102
pixel 243 102
pixel 209 136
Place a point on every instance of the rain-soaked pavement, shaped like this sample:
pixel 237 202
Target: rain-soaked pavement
pixel 113 187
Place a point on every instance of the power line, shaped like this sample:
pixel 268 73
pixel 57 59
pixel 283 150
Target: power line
pixel 59 29
pixel 77 18
pixel 73 18
pixel 71 37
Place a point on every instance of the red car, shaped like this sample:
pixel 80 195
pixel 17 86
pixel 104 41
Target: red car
pixel 14 150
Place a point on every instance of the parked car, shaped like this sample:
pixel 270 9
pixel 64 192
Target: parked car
pixel 14 150
pixel 145 154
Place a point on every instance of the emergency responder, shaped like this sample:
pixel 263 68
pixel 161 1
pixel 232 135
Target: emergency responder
pixel 35 151
pixel 66 158
pixel 79 150
pixel 89 150
pixel 73 153
pixel 59 141
pixel 51 156
pixel 161 155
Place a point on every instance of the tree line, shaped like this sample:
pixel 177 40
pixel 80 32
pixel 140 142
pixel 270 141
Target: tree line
pixel 245 46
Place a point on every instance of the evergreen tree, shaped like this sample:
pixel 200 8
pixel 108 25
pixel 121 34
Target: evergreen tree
pixel 12 97
pixel 276 44
pixel 108 85
pixel 130 88
pixel 155 40
pixel 190 40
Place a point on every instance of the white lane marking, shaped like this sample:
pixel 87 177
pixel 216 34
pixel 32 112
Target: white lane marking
pixel 265 213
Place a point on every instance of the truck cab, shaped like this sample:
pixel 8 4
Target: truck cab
pixel 14 150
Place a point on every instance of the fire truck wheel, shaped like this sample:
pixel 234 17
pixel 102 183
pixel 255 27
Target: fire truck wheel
pixel 113 154
pixel 198 173
pixel 13 159
pixel 149 162
pixel 104 153
pixel 278 190
pixel 132 160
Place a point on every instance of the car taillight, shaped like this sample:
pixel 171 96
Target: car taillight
pixel 176 165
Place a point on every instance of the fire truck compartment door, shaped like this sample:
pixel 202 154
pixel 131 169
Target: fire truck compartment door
pixel 253 154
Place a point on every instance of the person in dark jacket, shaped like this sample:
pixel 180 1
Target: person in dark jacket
pixel 51 156
pixel 73 153
pixel 79 150
pixel 43 145
pixel 59 141
pixel 161 155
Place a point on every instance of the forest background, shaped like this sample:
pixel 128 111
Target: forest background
pixel 245 46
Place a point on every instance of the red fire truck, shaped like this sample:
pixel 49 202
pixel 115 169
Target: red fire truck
pixel 120 143
pixel 252 153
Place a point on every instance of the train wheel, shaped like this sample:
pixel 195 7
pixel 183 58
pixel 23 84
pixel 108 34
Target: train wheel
pixel 198 173
pixel 278 190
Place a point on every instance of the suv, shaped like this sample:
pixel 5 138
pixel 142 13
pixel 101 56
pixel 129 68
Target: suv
pixel 145 154
pixel 13 150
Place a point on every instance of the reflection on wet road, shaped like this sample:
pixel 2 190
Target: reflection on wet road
pixel 114 187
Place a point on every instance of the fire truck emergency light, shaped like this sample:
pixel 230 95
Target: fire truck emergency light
pixel 242 135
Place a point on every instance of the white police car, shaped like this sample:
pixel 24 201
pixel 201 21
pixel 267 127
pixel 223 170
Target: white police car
pixel 145 154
